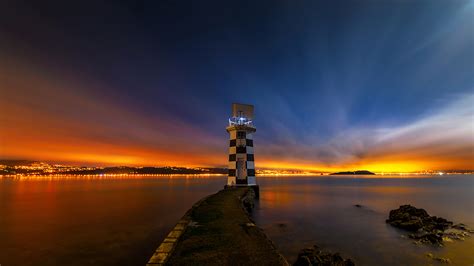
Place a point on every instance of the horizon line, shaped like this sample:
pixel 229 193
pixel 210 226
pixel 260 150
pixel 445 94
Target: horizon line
pixel 428 171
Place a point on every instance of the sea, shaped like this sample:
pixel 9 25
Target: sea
pixel 122 220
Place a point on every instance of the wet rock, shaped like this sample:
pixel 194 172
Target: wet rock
pixel 282 227
pixel 426 228
pixel 463 227
pixel 193 224
pixel 427 237
pixel 407 217
pixel 440 259
pixel 303 261
pixel 248 201
pixel 315 256
pixel 443 260
pixel 455 234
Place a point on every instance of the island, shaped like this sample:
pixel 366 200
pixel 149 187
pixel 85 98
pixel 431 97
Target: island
pixel 358 172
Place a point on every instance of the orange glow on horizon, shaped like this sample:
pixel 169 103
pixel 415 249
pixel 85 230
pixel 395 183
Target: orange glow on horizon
pixel 94 153
pixel 379 165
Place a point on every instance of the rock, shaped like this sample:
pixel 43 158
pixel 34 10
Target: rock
pixel 407 217
pixel 440 259
pixel 315 256
pixel 456 234
pixel 358 205
pixel 303 261
pixel 463 227
pixel 443 260
pixel 427 237
pixel 426 228
pixel 447 239
pixel 248 200
pixel 282 227
pixel 193 224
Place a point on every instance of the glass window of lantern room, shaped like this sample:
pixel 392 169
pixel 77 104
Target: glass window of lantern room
pixel 241 135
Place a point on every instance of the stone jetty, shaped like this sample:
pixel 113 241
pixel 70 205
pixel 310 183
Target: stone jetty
pixel 218 231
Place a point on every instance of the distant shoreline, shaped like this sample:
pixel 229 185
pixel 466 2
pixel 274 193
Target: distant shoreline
pixel 20 168
pixel 131 176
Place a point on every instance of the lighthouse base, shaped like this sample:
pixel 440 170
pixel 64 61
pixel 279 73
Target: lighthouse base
pixel 255 188
pixel 248 181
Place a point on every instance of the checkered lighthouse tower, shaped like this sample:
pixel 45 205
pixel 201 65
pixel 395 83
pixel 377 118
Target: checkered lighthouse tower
pixel 241 160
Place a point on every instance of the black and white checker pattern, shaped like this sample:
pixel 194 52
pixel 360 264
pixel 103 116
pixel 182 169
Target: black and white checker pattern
pixel 241 156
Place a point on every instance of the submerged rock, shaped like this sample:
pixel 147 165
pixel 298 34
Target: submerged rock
pixel 315 256
pixel 426 228
pixel 282 227
pixel 440 259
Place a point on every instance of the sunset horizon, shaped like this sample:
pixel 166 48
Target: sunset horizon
pixel 376 168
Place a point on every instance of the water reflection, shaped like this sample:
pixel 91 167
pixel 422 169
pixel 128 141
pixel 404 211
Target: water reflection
pixel 98 221
pixel 301 211
pixel 120 221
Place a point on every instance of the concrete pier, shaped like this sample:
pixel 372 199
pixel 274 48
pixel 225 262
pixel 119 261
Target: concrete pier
pixel 218 231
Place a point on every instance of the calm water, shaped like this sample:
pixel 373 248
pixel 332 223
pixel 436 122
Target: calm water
pixel 122 221
pixel 92 222
pixel 299 212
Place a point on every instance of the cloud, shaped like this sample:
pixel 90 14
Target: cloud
pixel 441 138
pixel 46 116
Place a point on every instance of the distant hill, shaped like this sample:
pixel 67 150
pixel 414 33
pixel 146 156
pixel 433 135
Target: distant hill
pixel 8 162
pixel 358 172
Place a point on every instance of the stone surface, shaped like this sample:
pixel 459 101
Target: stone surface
pixel 165 247
pixel 315 256
pixel 158 258
pixel 174 234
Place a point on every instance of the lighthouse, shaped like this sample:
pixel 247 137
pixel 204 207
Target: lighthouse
pixel 241 153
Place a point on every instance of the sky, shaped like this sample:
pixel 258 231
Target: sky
pixel 337 85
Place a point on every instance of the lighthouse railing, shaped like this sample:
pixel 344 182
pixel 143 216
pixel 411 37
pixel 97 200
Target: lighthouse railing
pixel 240 121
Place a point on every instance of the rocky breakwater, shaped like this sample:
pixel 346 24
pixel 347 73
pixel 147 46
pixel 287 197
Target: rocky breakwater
pixel 219 231
pixel 427 229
